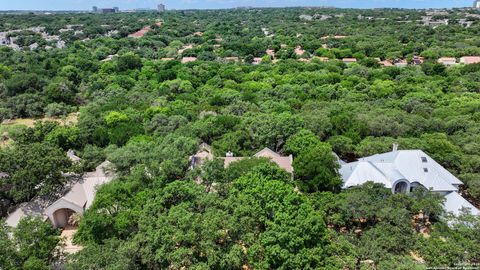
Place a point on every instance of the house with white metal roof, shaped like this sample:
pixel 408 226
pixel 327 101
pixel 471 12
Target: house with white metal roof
pixel 404 170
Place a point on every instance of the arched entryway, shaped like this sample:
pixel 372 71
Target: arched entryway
pixel 415 185
pixel 401 186
pixel 61 217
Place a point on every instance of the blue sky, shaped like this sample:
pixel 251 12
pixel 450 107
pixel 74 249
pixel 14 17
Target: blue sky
pixel 201 4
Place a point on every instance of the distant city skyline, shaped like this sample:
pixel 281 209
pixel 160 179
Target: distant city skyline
pixel 214 4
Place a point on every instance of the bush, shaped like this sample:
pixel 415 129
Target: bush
pixel 92 156
pixel 316 169
pixel 57 110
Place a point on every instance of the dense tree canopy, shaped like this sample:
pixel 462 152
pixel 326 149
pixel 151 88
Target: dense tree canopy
pixel 134 102
pixel 29 246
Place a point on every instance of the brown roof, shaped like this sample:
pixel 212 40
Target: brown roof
pixel 205 154
pixel 229 160
pixel 470 59
pixel 401 62
pixel 185 47
pixel 336 37
pixel 447 59
pixel 270 52
pixel 299 50
pixel 349 60
pixel 188 59
pixel 386 63
pixel 282 162
pixel 232 58
pixel 267 152
pixel 140 33
pixel 257 60
pixel 200 158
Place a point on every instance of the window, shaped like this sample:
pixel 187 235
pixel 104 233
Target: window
pixel 424 159
pixel 425 169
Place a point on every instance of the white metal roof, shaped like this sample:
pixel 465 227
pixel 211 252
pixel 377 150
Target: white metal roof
pixel 454 203
pixel 410 165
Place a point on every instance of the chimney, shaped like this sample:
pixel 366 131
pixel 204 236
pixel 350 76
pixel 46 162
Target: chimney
pixel 395 147
pixel 229 154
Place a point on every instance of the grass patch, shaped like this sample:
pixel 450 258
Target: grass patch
pixel 14 126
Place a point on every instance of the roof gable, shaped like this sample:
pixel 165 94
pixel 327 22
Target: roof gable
pixel 267 152
pixel 63 203
pixel 283 162
pixel 411 165
pixel 362 172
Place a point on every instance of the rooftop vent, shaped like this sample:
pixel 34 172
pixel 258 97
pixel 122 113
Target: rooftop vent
pixel 425 169
pixel 424 159
pixel 395 147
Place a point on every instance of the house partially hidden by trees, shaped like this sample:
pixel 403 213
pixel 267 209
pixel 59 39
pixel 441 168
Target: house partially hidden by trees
pixel 205 153
pixel 77 199
pixel 469 60
pixel 405 170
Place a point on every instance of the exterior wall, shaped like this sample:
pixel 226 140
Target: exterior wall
pixel 57 213
pixel 448 63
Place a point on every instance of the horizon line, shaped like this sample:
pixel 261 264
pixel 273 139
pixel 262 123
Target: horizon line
pixel 239 7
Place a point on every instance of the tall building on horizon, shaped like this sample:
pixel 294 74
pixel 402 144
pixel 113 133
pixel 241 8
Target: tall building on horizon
pixel 161 8
pixel 476 4
pixel 95 9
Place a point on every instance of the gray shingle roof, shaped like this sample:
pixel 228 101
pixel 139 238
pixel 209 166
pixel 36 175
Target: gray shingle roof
pixel 80 196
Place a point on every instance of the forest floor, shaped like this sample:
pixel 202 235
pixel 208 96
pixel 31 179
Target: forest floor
pixel 29 122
